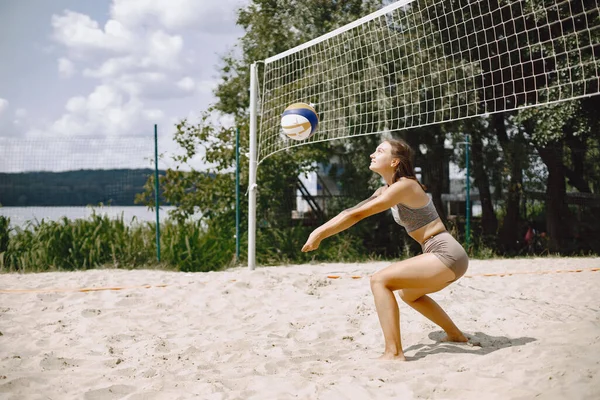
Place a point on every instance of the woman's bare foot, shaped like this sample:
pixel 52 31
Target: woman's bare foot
pixel 391 356
pixel 457 337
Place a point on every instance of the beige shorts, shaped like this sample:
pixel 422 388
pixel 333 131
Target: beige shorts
pixel 448 251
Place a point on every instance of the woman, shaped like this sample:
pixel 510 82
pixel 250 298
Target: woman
pixel 443 260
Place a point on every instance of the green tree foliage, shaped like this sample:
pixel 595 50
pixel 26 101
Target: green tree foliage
pixel 507 146
pixel 270 27
pixel 545 69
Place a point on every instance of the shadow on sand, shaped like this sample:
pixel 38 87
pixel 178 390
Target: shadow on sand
pixel 479 344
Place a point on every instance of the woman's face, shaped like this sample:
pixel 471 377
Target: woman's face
pixel 381 159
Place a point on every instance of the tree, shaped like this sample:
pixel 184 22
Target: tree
pixel 271 26
pixel 528 53
pixel 486 167
pixel 562 134
pixel 418 81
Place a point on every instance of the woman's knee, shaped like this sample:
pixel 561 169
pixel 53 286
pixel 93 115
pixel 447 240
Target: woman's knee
pixel 378 280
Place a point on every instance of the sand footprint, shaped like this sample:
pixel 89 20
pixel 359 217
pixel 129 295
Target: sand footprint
pixel 53 363
pixel 163 346
pixel 49 297
pixel 275 367
pixel 119 338
pixel 15 385
pixel 110 393
pixel 113 363
pixel 149 373
pixel 128 302
pixel 90 312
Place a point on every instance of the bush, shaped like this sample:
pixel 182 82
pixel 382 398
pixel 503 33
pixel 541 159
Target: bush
pixel 4 232
pixel 104 242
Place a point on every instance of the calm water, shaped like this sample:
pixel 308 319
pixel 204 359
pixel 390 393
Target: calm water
pixel 19 216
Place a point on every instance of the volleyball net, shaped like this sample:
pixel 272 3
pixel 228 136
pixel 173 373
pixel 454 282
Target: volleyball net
pixel 418 63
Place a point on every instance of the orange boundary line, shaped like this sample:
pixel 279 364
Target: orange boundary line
pixel 91 289
pixel 501 274
pixel 560 271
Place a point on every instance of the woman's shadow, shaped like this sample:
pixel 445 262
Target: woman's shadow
pixel 479 344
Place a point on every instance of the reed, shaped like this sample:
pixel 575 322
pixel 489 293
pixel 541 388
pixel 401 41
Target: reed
pixel 192 246
pixel 100 241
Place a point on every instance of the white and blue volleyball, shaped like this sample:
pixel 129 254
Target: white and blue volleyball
pixel 299 121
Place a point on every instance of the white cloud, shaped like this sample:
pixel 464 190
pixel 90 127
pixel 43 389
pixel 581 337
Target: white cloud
pixel 154 115
pixel 187 84
pixel 141 84
pixel 173 14
pixel 170 13
pixel 155 86
pixel 106 111
pixel 111 67
pixel 133 64
pixel 158 50
pixel 3 106
pixel 207 86
pixel 76 105
pixel 21 113
pixel 163 49
pixel 12 123
pixel 66 68
pixel 80 32
pixel 151 62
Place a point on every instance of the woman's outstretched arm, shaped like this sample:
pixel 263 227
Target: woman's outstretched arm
pixel 380 201
pixel 335 220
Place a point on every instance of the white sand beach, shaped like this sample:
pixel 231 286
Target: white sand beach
pixel 292 332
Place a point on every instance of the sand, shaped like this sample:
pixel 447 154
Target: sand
pixel 292 332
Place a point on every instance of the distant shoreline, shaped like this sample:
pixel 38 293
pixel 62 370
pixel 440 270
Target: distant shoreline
pixel 81 188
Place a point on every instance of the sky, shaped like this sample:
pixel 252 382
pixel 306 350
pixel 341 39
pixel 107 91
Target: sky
pixel 102 73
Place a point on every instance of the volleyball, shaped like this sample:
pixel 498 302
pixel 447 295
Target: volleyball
pixel 299 121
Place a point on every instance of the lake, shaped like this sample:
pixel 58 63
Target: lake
pixel 19 216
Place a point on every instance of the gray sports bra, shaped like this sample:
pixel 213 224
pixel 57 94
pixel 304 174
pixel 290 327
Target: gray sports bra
pixel 414 218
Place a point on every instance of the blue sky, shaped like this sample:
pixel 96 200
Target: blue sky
pixel 109 68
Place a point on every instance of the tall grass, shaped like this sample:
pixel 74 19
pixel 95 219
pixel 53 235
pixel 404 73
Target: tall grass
pixel 192 247
pixel 276 246
pixel 100 241
pixel 4 236
pixel 78 244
